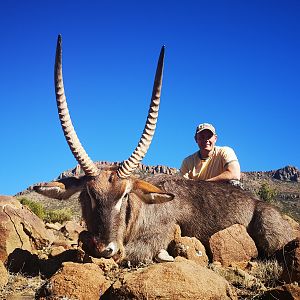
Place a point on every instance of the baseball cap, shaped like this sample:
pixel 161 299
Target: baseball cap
pixel 204 126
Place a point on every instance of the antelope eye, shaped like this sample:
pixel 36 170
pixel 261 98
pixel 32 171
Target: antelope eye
pixel 126 196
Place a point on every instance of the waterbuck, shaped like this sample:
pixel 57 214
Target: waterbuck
pixel 132 219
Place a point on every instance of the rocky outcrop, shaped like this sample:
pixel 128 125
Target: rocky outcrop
pixel 141 169
pixel 20 228
pixel 288 173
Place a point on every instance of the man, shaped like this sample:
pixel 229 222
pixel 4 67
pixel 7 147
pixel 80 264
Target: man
pixel 211 163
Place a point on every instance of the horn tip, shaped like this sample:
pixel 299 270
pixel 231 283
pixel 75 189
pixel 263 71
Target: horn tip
pixel 162 51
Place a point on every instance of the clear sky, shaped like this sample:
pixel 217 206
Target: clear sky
pixel 235 64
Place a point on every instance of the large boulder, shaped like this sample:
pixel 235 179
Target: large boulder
pixel 75 281
pixel 20 228
pixel 232 245
pixel 172 280
pixel 294 224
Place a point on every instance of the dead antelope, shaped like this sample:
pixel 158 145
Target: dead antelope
pixel 132 219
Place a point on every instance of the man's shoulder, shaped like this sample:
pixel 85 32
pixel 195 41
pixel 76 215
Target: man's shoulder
pixel 225 152
pixel 191 157
pixel 223 149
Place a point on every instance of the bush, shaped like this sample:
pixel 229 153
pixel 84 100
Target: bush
pixel 51 216
pixel 35 207
pixel 59 215
pixel 266 192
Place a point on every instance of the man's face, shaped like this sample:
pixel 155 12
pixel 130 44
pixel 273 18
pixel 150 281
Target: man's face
pixel 206 140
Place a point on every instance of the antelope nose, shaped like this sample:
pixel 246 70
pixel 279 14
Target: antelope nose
pixel 110 250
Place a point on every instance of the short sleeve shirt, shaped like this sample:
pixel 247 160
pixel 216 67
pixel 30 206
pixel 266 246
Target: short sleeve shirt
pixel 194 168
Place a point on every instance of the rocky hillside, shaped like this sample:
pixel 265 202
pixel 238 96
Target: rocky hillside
pixel 285 182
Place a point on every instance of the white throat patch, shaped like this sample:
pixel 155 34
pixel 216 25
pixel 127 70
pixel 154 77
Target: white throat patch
pixel 93 202
pixel 127 190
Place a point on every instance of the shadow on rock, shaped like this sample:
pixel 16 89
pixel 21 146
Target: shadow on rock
pixel 24 262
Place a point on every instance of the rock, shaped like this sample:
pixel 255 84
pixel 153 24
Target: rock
pixel 3 275
pixel 75 281
pixel 163 256
pixel 288 173
pixel 289 257
pixel 284 292
pixel 105 264
pixel 72 230
pixel 20 228
pixel 54 226
pixel 56 251
pixel 65 243
pixel 294 224
pixel 188 247
pixel 172 280
pixel 50 266
pixel 232 246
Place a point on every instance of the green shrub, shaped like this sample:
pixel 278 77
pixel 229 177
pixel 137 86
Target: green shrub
pixel 59 215
pixel 266 192
pixel 35 207
pixel 51 216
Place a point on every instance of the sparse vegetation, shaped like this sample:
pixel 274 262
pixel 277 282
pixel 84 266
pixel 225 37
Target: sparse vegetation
pixel 268 272
pixel 266 192
pixel 252 284
pixel 35 207
pixel 50 216
pixel 59 215
pixel 21 287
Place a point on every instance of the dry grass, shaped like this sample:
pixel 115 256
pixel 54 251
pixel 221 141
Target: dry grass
pixel 252 284
pixel 21 287
pixel 268 272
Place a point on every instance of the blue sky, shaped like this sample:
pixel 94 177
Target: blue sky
pixel 235 64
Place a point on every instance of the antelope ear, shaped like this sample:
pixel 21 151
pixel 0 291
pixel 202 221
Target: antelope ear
pixel 149 193
pixel 53 189
pixel 62 189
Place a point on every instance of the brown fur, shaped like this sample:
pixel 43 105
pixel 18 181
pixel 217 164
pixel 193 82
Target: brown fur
pixel 200 208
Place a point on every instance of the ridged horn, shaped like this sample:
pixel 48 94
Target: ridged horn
pixel 77 149
pixel 129 165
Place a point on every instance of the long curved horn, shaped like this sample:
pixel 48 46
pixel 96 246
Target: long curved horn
pixel 77 149
pixel 129 165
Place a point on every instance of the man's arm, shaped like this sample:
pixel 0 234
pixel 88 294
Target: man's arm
pixel 184 170
pixel 232 172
